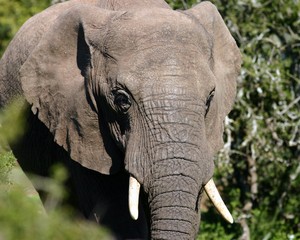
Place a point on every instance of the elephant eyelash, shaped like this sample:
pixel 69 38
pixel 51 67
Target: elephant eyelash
pixel 208 101
pixel 122 100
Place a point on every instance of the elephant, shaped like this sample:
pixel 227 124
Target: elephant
pixel 130 96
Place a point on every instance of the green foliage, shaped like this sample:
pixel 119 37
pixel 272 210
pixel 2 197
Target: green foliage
pixel 7 162
pixel 263 133
pixel 182 4
pixel 14 113
pixel 214 227
pixel 22 218
pixel 13 14
pixel 22 215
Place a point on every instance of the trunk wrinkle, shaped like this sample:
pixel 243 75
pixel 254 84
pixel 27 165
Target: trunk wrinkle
pixel 166 192
pixel 174 219
pixel 178 158
pixel 167 143
pixel 178 174
pixel 171 206
pixel 166 230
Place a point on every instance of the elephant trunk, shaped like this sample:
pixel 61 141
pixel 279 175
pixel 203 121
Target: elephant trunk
pixel 175 162
pixel 173 199
pixel 165 226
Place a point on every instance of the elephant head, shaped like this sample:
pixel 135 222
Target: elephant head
pixel 146 90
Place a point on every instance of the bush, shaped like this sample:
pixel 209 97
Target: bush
pixel 13 14
pixel 22 215
pixel 22 218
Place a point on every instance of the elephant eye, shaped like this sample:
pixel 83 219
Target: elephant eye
pixel 208 101
pixel 122 101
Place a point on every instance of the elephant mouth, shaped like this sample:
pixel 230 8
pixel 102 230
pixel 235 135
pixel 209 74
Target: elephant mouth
pixel 210 189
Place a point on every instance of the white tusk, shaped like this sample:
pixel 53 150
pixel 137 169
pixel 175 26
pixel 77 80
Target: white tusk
pixel 214 195
pixel 134 191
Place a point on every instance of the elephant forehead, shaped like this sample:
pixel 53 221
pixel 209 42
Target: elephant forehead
pixel 167 69
pixel 139 30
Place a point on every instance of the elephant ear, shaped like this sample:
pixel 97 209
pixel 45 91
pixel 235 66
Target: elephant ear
pixel 55 79
pixel 226 64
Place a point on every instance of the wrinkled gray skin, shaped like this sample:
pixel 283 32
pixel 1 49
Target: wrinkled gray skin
pixel 125 87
